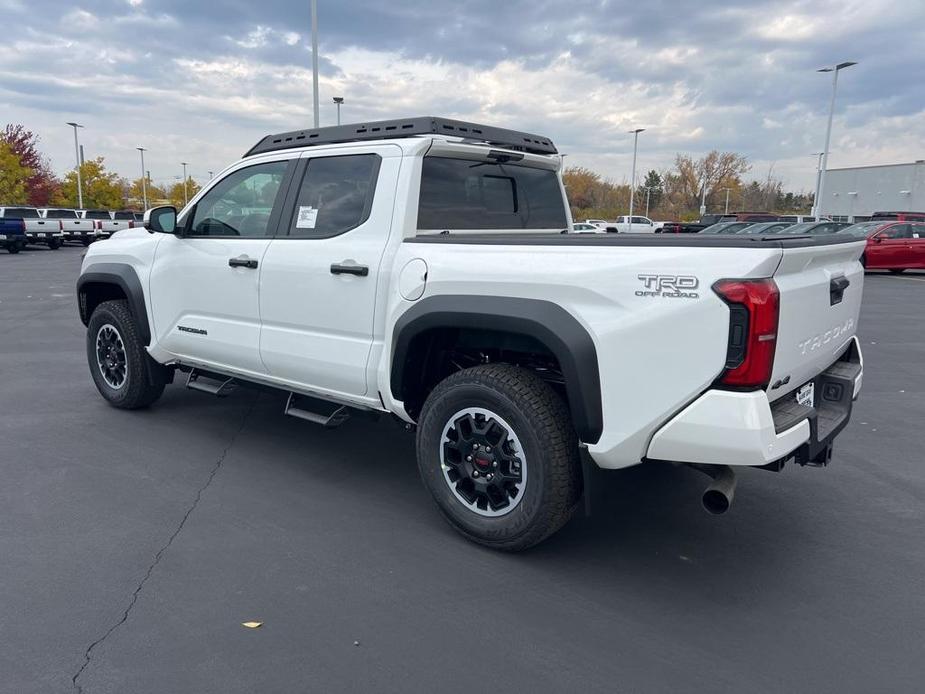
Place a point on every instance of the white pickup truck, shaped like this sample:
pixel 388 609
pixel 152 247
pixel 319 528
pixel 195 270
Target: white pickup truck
pixel 417 267
pixel 104 225
pixel 38 230
pixel 627 225
pixel 73 227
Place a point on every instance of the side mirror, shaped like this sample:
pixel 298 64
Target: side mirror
pixel 161 219
pixel 877 239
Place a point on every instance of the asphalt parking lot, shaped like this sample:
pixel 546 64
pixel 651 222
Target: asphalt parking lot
pixel 134 544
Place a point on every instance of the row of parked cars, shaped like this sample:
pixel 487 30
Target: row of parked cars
pixel 892 244
pixel 53 226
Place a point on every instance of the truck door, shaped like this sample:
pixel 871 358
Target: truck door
pixel 204 283
pixel 318 291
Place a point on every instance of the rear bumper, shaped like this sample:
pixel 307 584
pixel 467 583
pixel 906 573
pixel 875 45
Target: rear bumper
pixel 729 428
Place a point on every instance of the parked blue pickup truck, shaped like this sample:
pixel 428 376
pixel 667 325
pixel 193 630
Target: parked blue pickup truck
pixel 12 234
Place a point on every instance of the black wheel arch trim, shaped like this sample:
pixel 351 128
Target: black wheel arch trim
pixel 123 276
pixel 544 321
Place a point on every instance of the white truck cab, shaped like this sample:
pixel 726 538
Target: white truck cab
pixel 417 267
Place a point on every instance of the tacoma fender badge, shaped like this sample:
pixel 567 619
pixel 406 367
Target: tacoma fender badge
pixel 195 331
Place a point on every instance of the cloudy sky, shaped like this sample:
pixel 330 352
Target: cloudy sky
pixel 201 81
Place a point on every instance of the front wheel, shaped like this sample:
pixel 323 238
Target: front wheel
pixel 498 453
pixel 117 358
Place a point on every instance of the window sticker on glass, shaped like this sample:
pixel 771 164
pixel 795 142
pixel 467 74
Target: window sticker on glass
pixel 307 217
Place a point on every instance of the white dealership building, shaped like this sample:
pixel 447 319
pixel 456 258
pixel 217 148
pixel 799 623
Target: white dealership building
pixel 855 193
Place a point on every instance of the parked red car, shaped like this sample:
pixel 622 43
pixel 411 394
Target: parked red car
pixel 893 246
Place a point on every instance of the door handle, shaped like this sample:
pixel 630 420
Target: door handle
pixel 351 269
pixel 249 263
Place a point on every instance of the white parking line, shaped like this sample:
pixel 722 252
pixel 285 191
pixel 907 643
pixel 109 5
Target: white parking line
pixel 913 279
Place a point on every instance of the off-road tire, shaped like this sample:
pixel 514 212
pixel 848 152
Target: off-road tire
pixel 541 422
pixel 137 391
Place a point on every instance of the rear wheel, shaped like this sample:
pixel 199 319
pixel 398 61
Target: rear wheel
pixel 897 270
pixel 117 358
pixel 54 244
pixel 85 241
pixel 13 248
pixel 498 453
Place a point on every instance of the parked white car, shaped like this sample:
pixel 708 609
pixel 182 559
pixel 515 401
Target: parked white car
pixel 585 228
pixel 426 277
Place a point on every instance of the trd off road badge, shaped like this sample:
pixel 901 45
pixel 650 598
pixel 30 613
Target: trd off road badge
pixel 669 286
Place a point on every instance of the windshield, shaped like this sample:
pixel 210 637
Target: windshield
pixel 764 228
pixel 804 228
pixel 725 228
pixel 862 229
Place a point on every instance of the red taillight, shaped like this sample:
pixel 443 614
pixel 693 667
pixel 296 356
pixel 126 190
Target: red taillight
pixel 754 310
pixel 131 224
pixel 99 225
pixel 60 225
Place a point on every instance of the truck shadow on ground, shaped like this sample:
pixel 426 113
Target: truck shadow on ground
pixel 646 525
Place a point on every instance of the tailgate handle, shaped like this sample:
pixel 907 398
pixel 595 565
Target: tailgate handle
pixel 837 288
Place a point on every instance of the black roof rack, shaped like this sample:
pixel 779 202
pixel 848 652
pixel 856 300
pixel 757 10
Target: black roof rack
pixel 405 127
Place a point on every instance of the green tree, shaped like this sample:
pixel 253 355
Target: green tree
pixel 41 183
pixel 101 188
pixel 13 177
pixel 654 186
pixel 135 194
pixel 178 197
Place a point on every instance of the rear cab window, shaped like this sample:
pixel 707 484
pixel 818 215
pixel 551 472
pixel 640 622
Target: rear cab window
pixel 21 213
pixel 60 214
pixel 476 195
pixel 123 215
pixel 97 214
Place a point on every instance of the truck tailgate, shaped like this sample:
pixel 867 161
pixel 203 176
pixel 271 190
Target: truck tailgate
pixel 820 300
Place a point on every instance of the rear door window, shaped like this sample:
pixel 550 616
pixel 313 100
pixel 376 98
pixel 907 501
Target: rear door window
pixel 461 194
pixel 336 195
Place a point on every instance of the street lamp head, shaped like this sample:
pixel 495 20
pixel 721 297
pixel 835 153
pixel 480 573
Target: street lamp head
pixel 636 131
pixel 75 125
pixel 840 66
pixel 141 149
pixel 338 99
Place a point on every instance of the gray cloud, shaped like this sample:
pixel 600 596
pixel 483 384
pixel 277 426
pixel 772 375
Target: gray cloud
pixel 202 81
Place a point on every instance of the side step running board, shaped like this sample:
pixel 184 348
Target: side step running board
pixel 207 384
pixel 335 418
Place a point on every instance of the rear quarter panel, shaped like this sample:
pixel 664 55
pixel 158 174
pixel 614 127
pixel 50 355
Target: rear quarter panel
pixel 656 353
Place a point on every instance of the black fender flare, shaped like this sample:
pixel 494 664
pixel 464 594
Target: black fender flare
pixel 544 321
pixel 123 276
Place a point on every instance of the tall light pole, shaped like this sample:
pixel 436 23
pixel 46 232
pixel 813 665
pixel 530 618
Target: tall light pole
pixel 648 192
pixel 338 100
pixel 144 188
pixel 80 191
pixel 211 175
pixel 315 58
pixel 635 134
pixel 828 131
pixel 703 197
pixel 818 156
pixel 727 200
pixel 185 194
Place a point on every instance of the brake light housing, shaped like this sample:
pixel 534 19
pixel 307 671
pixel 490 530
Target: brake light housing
pixel 754 313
